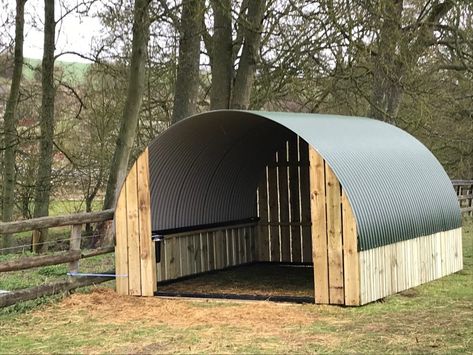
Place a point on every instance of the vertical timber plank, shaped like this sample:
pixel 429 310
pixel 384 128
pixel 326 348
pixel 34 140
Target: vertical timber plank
pixel 121 247
pixel 334 234
pixel 204 252
pixel 350 255
pixel 134 262
pixel 147 251
pixel 273 212
pixel 211 246
pixel 263 227
pixel 294 200
pixel 319 233
pixel 285 235
pixel 305 195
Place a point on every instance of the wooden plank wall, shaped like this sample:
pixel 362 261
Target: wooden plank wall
pixel 301 203
pixel 334 237
pixel 398 267
pixel 284 206
pixel 134 252
pixel 201 251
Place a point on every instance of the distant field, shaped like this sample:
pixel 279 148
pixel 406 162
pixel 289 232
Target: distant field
pixel 433 318
pixel 73 72
pixel 56 208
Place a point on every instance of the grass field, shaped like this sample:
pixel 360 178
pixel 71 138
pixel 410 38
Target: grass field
pixel 433 318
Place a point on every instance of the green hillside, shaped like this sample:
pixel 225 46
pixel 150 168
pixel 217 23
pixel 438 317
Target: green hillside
pixel 73 72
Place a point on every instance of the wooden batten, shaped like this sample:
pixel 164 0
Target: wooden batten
pixel 294 205
pixel 121 247
pixel 319 227
pixel 285 237
pixel 351 268
pixel 306 221
pixel 273 198
pixel 262 244
pixel 334 237
pixel 135 256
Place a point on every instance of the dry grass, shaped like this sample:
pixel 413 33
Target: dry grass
pixel 433 318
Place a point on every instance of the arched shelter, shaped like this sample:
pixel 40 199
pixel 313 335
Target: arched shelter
pixel 362 200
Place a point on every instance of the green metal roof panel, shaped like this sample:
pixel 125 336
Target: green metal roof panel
pixel 397 188
pixel 205 170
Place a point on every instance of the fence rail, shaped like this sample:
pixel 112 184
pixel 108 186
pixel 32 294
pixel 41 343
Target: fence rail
pixel 72 257
pixel 464 190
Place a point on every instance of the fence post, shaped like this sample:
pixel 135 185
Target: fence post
pixel 74 245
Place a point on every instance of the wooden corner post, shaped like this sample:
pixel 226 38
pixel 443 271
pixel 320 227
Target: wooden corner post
pixel 319 226
pixel 334 237
pixel 135 261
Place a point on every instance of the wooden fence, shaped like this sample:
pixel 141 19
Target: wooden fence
pixel 282 235
pixel 72 257
pixel 464 190
pixel 191 253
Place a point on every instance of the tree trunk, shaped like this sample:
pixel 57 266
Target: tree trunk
pixel 187 79
pixel 245 75
pixel 385 76
pixel 397 53
pixel 10 121
pixel 43 177
pixel 132 107
pixel 222 50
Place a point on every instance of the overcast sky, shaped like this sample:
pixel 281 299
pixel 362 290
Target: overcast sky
pixel 73 34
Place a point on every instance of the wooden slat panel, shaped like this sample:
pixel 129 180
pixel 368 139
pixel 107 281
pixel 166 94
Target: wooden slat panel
pixel 211 246
pixel 204 252
pixel 350 255
pixel 121 248
pixel 285 234
pixel 162 264
pixel 242 238
pixel 413 258
pixel 319 236
pixel 172 258
pixel 197 254
pixel 334 237
pixel 305 201
pixel 262 244
pixel 220 250
pixel 134 263
pixel 273 214
pixel 248 240
pixel 296 236
pixel 185 261
pixel 147 252
pixel 253 231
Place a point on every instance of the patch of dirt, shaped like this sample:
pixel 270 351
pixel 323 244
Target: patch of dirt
pixel 219 322
pixel 105 305
pixel 410 293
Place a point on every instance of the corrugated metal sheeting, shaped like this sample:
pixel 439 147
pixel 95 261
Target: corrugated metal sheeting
pixel 205 170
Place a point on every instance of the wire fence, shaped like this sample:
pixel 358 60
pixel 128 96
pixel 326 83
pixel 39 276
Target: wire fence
pixel 49 242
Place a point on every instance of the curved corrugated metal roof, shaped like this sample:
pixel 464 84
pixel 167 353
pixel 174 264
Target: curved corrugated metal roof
pixel 206 168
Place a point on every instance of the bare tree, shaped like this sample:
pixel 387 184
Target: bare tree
pixel 187 78
pixel 245 75
pixel 10 122
pixel 43 177
pixel 136 84
pixel 222 55
pixel 398 50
